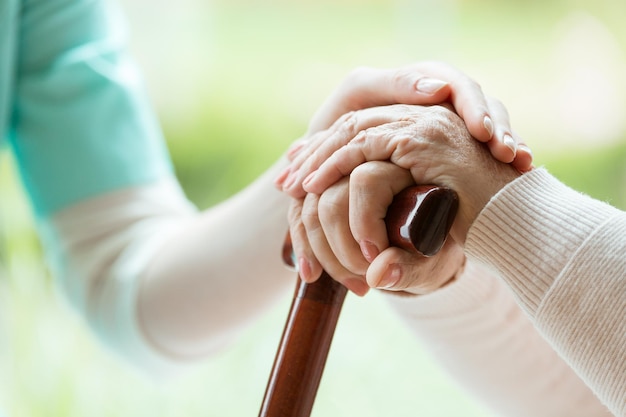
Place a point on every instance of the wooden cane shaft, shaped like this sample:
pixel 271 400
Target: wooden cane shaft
pixel 303 349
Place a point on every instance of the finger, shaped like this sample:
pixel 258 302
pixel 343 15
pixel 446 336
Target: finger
pixel 467 97
pixel 502 152
pixel 307 265
pixel 372 188
pixel 341 133
pixel 507 146
pixel 375 144
pixel 523 161
pixel 296 147
pixel 302 150
pixel 318 150
pixel 317 239
pixel 399 270
pixel 333 215
pixel 503 145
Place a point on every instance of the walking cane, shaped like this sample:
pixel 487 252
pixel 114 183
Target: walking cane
pixel 419 219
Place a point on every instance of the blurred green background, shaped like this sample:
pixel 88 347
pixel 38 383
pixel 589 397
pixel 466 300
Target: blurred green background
pixel 234 82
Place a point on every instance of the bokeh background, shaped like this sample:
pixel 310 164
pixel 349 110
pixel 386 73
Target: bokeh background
pixel 234 82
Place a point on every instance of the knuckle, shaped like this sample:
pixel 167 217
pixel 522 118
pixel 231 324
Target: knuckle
pixel 293 214
pixel 364 173
pixel 310 219
pixel 442 120
pixel 350 123
pixel 346 125
pixel 492 101
pixel 360 137
pixel 338 124
pixel 405 144
pixel 474 84
pixel 402 76
pixel 497 105
pixel 359 73
pixel 330 207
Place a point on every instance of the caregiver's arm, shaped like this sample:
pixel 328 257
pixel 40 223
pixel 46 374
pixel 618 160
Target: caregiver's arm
pixel 159 280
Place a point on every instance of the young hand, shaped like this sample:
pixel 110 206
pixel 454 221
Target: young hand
pixel 421 83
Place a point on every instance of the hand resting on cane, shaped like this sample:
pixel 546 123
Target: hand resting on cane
pixel 435 124
pixel 445 83
pixel 464 316
pixel 153 262
pixel 324 226
pixel 560 253
pixel 174 315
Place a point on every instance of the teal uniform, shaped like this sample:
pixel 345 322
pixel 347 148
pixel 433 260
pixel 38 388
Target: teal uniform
pixel 72 105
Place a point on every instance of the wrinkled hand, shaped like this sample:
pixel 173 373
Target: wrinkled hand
pixel 342 229
pixel 421 83
pixel 430 142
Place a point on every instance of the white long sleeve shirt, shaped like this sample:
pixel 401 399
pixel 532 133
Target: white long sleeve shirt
pixel 535 326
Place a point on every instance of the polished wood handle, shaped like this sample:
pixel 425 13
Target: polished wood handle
pixel 419 219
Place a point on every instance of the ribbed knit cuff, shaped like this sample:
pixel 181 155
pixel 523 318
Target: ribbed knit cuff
pixel 529 231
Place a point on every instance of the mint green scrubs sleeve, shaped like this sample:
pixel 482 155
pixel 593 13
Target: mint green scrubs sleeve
pixel 80 124
pixel 75 114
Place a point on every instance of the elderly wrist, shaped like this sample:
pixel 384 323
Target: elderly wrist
pixel 476 194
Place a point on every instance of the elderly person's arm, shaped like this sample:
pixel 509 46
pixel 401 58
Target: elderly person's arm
pixel 560 253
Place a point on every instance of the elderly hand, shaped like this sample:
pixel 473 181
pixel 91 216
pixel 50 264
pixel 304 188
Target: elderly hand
pixel 329 230
pixel 434 145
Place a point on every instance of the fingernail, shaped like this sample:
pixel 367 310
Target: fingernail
pixel 391 277
pixel 357 286
pixel 308 178
pixel 369 250
pixel 291 178
pixel 510 143
pixel 488 125
pixel 304 269
pixel 429 85
pixel 280 179
pixel 293 151
pixel 524 148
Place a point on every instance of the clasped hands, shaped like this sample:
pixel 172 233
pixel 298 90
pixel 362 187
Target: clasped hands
pixel 378 133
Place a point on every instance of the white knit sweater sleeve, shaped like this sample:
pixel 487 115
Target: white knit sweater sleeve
pixel 563 255
pixel 166 285
pixel 475 330
pixel 97 250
